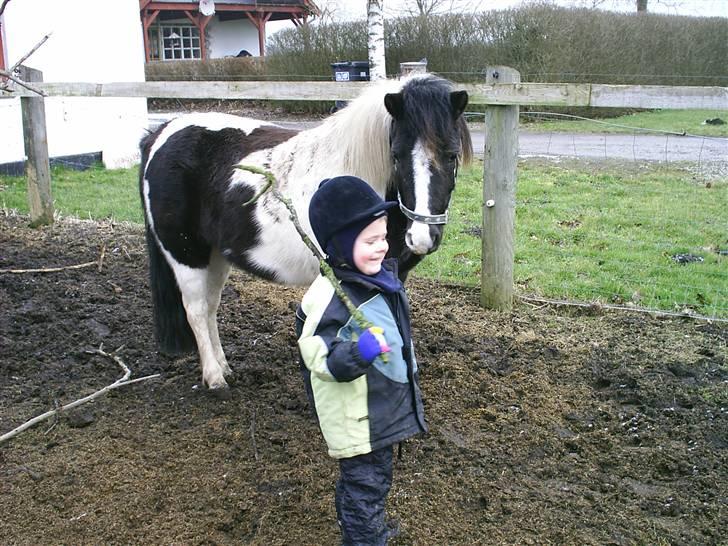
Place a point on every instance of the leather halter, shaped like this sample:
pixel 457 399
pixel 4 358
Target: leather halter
pixel 430 219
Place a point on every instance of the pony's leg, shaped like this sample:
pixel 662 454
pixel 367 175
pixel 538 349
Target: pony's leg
pixel 218 272
pixel 193 283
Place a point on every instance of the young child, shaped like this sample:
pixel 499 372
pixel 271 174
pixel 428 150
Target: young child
pixel 363 383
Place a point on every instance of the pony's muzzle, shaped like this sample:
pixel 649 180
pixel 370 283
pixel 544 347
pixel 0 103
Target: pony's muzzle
pixel 423 239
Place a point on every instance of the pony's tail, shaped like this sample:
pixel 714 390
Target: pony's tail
pixel 171 329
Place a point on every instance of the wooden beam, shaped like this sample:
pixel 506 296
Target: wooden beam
pixel 147 20
pixel 261 33
pixel 191 17
pixel 253 19
pixel 181 6
pixel 37 164
pixel 259 20
pixel 500 163
pixel 555 94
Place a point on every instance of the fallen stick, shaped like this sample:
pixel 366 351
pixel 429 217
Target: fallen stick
pixel 98 262
pixel 51 269
pixel 123 381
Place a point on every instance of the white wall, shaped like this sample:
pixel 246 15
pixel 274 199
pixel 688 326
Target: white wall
pixel 226 38
pixel 229 37
pixel 91 41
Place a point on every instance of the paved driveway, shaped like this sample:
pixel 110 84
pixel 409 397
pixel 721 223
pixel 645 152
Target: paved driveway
pixel 585 146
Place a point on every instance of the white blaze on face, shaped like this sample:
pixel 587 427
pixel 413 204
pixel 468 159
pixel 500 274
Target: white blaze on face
pixel 418 236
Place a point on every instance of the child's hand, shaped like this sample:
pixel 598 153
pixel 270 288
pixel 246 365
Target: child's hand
pixel 372 343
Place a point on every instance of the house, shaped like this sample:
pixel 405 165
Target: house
pixel 84 46
pixel 209 29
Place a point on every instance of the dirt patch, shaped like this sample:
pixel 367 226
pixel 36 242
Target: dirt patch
pixel 547 426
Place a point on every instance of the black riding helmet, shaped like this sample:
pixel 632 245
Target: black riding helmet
pixel 343 202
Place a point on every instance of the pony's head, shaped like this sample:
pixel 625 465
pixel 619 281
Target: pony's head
pixel 428 140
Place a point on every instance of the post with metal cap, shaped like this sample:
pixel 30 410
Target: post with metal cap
pixel 499 195
pixel 37 166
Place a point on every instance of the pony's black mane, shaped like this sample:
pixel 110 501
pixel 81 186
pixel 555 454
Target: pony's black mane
pixel 427 103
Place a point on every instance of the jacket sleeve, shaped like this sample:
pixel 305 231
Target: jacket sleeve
pixel 326 355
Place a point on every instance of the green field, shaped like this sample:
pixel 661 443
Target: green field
pixel 601 234
pixel 604 233
pixel 690 122
pixel 674 121
pixel 95 193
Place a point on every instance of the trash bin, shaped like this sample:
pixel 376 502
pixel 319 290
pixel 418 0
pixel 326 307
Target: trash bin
pixel 349 71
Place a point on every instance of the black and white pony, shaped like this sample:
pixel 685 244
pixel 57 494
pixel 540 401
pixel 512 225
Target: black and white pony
pixel 405 138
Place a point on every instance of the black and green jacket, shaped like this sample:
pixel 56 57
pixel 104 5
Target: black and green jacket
pixel 361 407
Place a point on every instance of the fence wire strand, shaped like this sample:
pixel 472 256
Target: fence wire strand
pixel 705 162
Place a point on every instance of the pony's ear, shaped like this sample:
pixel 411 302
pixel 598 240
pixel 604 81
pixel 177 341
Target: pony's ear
pixel 394 103
pixel 458 101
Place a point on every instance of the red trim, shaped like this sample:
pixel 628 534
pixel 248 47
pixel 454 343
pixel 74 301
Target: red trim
pixel 2 48
pixel 180 6
pixel 147 20
pixel 258 15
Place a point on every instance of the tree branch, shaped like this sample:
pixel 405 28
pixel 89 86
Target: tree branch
pixel 10 76
pixel 33 50
pixel 325 267
pixel 98 262
pixel 121 382
pixel 2 7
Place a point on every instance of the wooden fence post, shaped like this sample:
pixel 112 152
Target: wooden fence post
pixel 407 68
pixel 499 196
pixel 37 165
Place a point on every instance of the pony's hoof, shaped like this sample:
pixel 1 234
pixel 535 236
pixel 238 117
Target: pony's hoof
pixel 220 393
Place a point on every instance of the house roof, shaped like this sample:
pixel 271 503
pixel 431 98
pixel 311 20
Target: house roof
pixel 278 9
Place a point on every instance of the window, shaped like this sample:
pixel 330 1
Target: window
pixel 171 42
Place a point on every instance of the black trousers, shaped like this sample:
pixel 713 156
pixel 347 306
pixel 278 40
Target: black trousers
pixel 361 492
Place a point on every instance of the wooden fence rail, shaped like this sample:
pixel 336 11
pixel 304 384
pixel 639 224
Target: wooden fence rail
pixel 523 94
pixel 502 92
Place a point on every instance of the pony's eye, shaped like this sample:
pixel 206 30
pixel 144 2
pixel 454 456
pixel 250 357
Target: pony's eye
pixel 452 157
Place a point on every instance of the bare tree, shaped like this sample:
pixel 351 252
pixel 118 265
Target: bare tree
pixel 375 39
pixel 434 7
pixel 640 5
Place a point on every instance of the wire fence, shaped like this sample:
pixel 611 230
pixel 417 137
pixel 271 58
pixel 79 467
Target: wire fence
pixel 634 219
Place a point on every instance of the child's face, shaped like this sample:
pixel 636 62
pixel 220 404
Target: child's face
pixel 371 246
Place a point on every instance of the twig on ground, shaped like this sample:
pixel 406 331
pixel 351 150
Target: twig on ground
pixel 98 263
pixel 252 435
pixel 51 269
pixel 101 257
pixel 121 382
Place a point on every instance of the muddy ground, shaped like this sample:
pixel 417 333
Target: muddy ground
pixel 548 426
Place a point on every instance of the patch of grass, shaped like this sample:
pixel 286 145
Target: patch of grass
pixel 596 234
pixel 95 193
pixel 600 232
pixel 677 121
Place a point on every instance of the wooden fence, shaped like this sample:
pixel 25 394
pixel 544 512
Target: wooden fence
pixel 502 92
